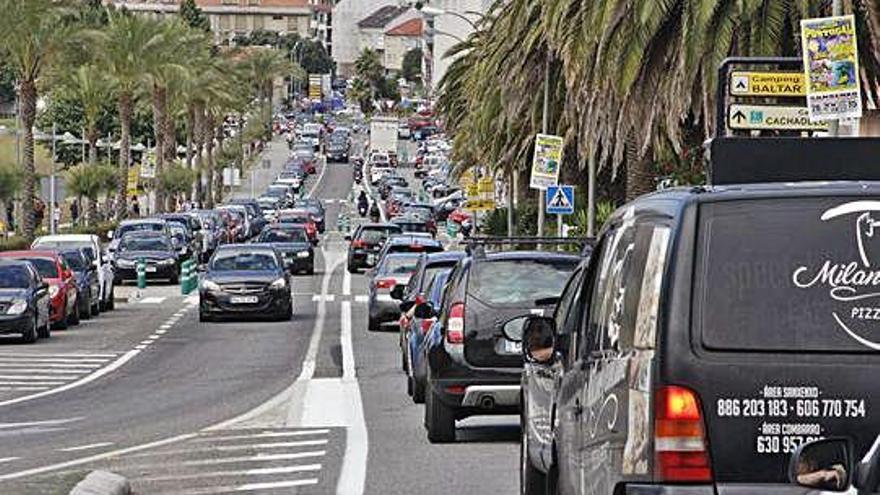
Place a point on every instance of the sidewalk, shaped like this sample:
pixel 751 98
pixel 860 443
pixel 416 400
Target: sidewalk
pixel 257 179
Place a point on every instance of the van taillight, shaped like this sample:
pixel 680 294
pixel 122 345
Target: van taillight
pixel 680 446
pixel 455 324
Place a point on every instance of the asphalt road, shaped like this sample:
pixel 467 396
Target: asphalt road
pixel 316 405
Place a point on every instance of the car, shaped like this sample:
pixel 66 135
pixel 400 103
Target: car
pixel 300 216
pixel 366 242
pixel 413 226
pixel 408 243
pixel 316 209
pixel 403 131
pixel 475 370
pixel 88 288
pixel 213 231
pixel 241 220
pixel 540 379
pixel 292 241
pixel 337 150
pixel 24 301
pixel 138 225
pixel 255 222
pixel 392 270
pixel 245 281
pixel 156 249
pixel 92 245
pixel 389 182
pixel 62 284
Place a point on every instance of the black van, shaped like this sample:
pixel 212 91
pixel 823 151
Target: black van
pixel 723 327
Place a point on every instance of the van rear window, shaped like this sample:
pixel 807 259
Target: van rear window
pixel 789 275
pixel 519 282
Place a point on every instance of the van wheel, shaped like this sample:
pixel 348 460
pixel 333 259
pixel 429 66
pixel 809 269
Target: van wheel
pixel 30 336
pixel 418 390
pixel 96 308
pixel 86 312
pixel 531 480
pixel 74 320
pixel 373 325
pixel 64 322
pixel 45 332
pixel 351 268
pixel 439 420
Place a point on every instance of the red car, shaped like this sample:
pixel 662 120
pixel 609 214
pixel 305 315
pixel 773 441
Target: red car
pixel 300 217
pixel 63 307
pixel 459 216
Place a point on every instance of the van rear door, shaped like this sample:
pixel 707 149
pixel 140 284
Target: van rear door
pixel 785 329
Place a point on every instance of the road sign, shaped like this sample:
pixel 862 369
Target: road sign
pixel 560 200
pixel 133 180
pixel 831 68
pixel 472 190
pixel 486 186
pixel 769 117
pixel 546 162
pixel 479 204
pixel 767 84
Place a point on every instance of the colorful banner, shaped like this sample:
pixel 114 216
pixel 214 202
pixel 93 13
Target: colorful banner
pixel 831 68
pixel 546 162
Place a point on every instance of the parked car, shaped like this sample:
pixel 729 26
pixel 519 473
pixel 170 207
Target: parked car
pixel 246 280
pixel 156 249
pixel 138 225
pixel 392 270
pixel 24 301
pixel 85 274
pixel 365 244
pixel 475 370
pixel 92 246
pixel 62 285
pixel 292 241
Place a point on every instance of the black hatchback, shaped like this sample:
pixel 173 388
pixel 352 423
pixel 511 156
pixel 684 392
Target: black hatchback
pixel 245 280
pixel 474 370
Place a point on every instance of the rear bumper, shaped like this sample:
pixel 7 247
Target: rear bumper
pixel 162 272
pixel 722 489
pixel 384 309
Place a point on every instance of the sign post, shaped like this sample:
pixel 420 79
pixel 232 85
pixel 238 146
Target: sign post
pixel 772 117
pixel 560 201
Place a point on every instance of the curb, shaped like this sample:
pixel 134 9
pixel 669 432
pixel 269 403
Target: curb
pixel 102 483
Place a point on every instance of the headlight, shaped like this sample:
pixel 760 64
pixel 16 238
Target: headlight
pixel 278 284
pixel 302 254
pixel 167 262
pixel 210 286
pixel 53 290
pixel 18 307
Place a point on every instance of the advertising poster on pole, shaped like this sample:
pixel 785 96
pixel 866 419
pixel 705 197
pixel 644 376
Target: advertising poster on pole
pixel 547 160
pixel 831 68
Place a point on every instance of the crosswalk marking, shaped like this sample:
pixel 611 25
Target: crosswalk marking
pixel 153 300
pixel 246 472
pixel 361 299
pixel 49 422
pixel 33 372
pixel 90 446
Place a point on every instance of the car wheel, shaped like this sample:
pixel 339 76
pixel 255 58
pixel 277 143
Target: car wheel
pixel 531 480
pixel 30 336
pixel 85 313
pixel 174 279
pixel 352 268
pixel 418 390
pixel 287 315
pixel 439 420
pixel 96 308
pixel 409 385
pixel 46 331
pixel 373 325
pixel 74 320
pixel 311 270
pixel 205 317
pixel 64 322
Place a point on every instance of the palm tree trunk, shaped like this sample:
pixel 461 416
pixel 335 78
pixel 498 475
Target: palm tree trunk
pixel 218 177
pixel 92 138
pixel 190 134
pixel 170 135
pixel 639 173
pixel 200 147
pixel 92 211
pixel 125 105
pixel 207 191
pixel 159 111
pixel 27 97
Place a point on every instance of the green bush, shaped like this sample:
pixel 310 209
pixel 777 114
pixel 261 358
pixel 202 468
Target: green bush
pixel 14 243
pixel 99 230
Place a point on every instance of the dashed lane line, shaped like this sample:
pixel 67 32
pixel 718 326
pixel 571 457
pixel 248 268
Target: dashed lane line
pixel 267 434
pixel 90 446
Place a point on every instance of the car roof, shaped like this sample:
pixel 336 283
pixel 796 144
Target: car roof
pixel 151 233
pixel 529 255
pixel 12 262
pixel 245 247
pixel 141 221
pixel 413 239
pixel 444 256
pixel 31 253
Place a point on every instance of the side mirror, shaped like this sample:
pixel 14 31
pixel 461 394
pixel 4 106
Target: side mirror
pixel 397 292
pixel 425 311
pixel 823 465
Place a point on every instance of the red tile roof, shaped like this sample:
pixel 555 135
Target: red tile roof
pixel 412 27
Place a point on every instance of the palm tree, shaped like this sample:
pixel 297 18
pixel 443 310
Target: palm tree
pixel 34 32
pixel 124 48
pixel 91 87
pixel 264 66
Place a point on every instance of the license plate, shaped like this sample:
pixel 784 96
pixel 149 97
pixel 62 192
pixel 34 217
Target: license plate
pixel 371 259
pixel 243 299
pixel 151 269
pixel 512 347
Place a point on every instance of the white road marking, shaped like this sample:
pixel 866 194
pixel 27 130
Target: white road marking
pixel 267 434
pixel 22 389
pixel 70 366
pixel 324 298
pixel 8 459
pixel 245 472
pixel 353 474
pixel 148 341
pixel 361 299
pixel 161 331
pixel 27 383
pixel 237 460
pixel 346 283
pixel 29 356
pixel 275 484
pixel 140 347
pixel 308 366
pixel 86 447
pixel 153 300
pixel 164 326
pixel 348 366
pixel 318 181
pixel 20 359
pixel 235 448
pixel 30 377
pixel 50 422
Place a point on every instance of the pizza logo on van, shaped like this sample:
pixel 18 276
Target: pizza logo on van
pixel 856 282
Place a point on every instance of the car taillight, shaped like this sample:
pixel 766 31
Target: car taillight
pixel 416 247
pixel 680 447
pixel 358 243
pixel 426 325
pixel 385 283
pixel 455 324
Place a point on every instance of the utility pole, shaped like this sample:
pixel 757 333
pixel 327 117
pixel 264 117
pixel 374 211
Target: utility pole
pixel 834 125
pixel 545 125
pixel 52 223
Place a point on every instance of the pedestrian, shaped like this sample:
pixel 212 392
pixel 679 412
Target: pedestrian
pixel 56 214
pixel 74 212
pixel 39 212
pixel 135 206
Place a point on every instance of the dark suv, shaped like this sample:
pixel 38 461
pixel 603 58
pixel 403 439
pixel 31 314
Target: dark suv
pixel 365 244
pixel 723 327
pixel 474 370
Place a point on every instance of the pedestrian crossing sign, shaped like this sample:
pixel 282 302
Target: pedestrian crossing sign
pixel 560 200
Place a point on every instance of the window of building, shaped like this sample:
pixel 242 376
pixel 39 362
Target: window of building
pixel 224 21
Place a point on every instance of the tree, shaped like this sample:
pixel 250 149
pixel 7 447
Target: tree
pixel 176 179
pixel 34 32
pixel 89 181
pixel 193 16
pixel 124 47
pixel 412 65
pixel 314 59
pixel 262 66
pixel 10 184
pixel 91 89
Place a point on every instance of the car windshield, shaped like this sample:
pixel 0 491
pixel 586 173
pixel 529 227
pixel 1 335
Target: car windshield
pixel 399 265
pixel 413 227
pixel 519 282
pixel 377 234
pixel 46 267
pixel 75 261
pixel 294 219
pixel 297 235
pixel 139 227
pixel 144 244
pixel 14 277
pixel 244 261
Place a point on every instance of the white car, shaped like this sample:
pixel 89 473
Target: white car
pixel 377 172
pixel 102 263
pixel 403 132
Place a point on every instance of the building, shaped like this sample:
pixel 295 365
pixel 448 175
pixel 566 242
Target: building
pixel 444 30
pixel 229 18
pixel 401 39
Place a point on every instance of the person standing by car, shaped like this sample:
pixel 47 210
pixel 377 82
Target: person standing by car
pixel 74 212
